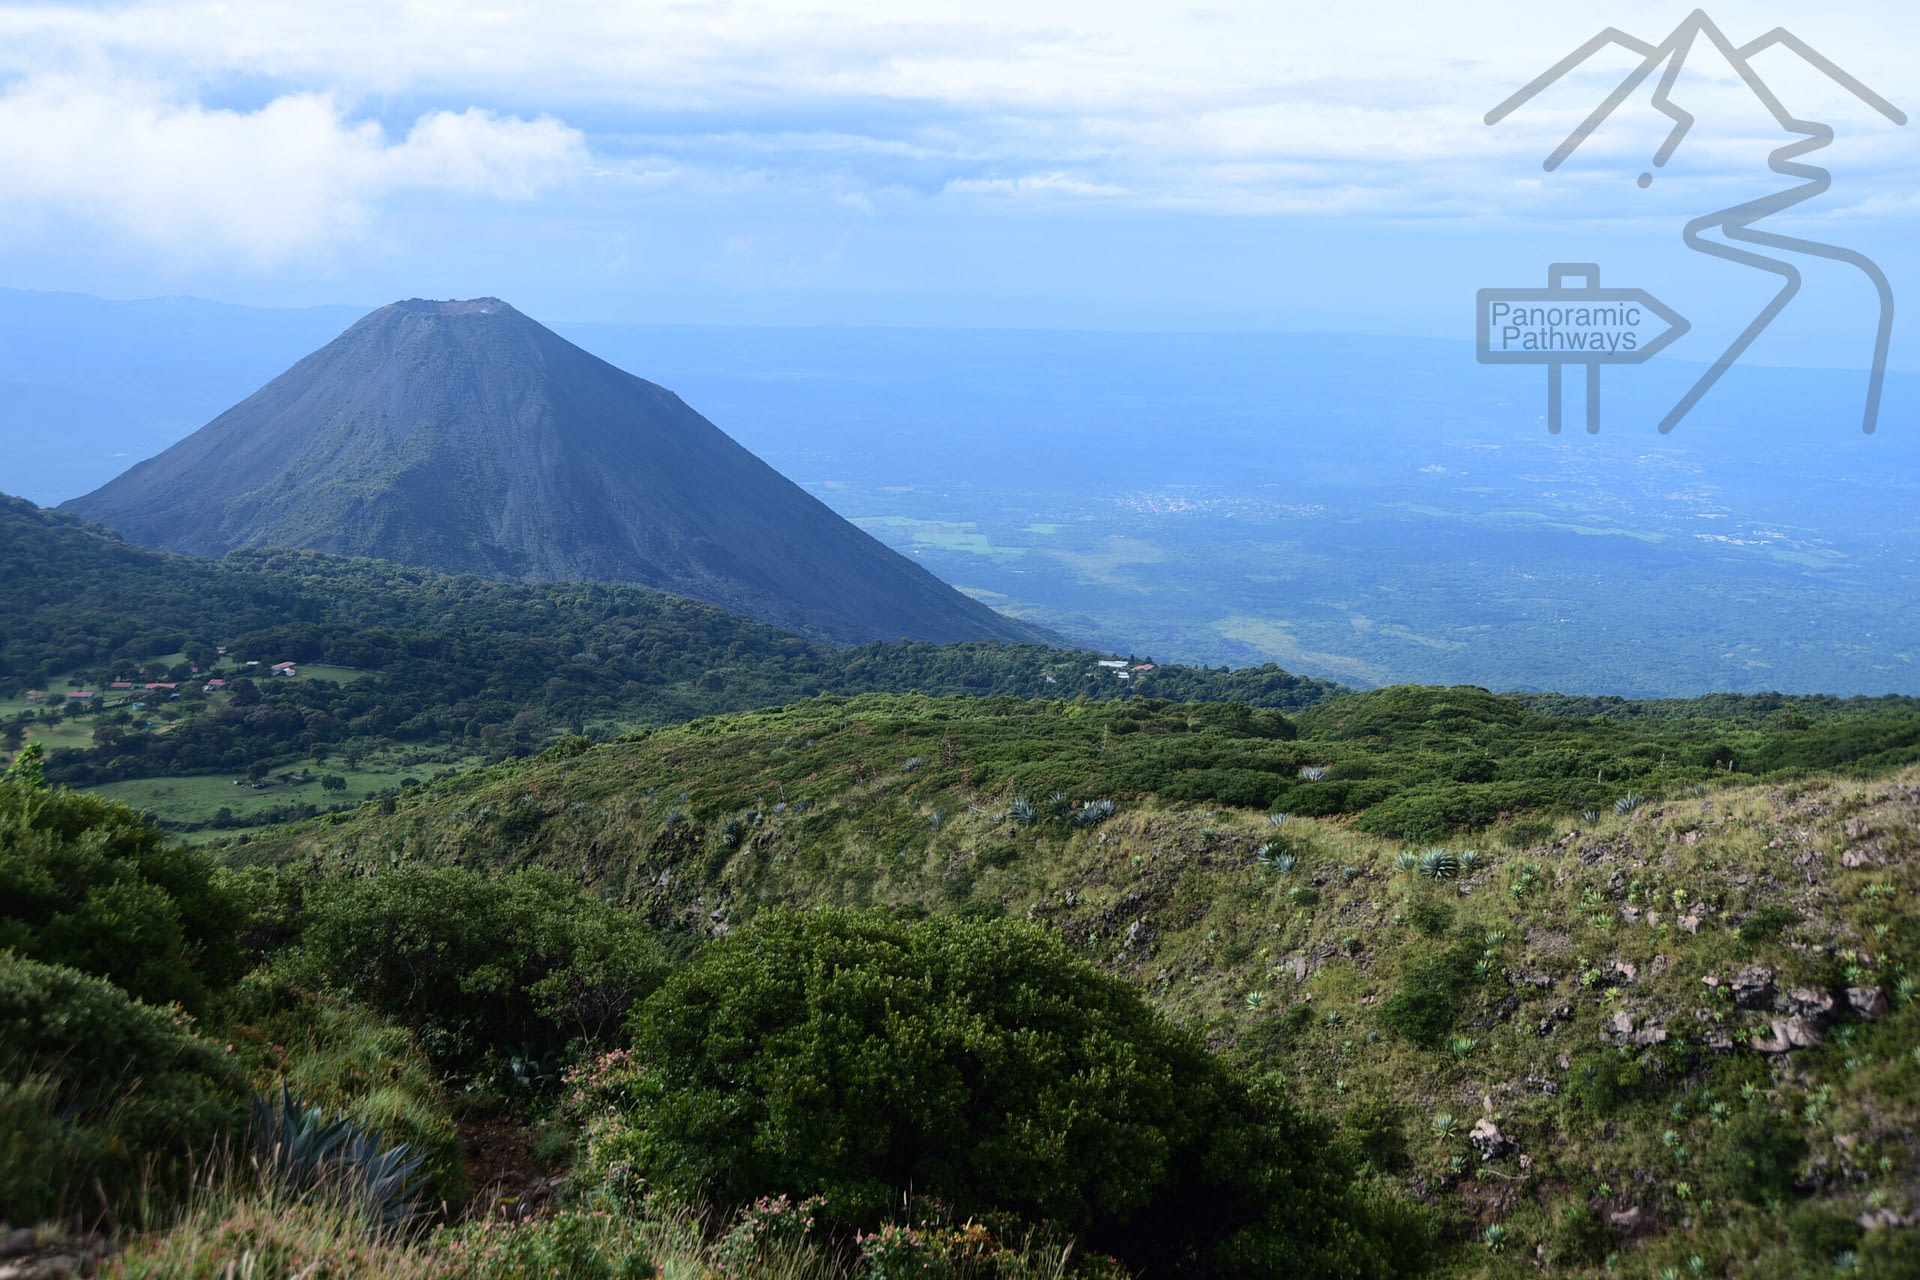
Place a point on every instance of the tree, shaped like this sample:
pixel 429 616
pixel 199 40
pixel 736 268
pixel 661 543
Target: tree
pixel 333 782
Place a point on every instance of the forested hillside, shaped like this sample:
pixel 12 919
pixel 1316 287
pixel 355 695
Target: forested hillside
pixel 418 672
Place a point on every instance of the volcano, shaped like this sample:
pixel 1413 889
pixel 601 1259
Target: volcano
pixel 466 437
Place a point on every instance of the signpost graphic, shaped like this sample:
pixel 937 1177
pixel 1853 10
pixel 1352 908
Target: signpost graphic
pixel 1585 325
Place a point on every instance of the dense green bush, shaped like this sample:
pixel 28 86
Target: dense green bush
pixel 1427 1002
pixel 88 884
pixel 100 1096
pixel 519 964
pixel 859 1056
pixel 1757 1156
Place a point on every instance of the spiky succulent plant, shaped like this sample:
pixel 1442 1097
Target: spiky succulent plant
pixel 1440 864
pixel 1093 813
pixel 305 1152
pixel 1628 803
pixel 1276 858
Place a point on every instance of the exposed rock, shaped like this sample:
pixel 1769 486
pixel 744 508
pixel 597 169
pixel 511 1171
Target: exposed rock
pixel 1620 1026
pixel 1775 1042
pixel 1853 859
pixel 1661 963
pixel 1630 914
pixel 1486 1138
pixel 1868 1002
pixel 1753 987
pixel 17 1242
pixel 1624 971
pixel 1138 935
pixel 1855 827
pixel 1651 1034
pixel 1533 978
pixel 1807 1004
pixel 1625 1219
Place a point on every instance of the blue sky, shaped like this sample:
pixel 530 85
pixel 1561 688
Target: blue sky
pixel 1101 164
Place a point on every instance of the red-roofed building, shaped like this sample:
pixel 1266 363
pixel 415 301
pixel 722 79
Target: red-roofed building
pixel 121 684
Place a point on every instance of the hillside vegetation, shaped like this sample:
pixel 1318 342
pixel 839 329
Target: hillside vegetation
pixel 417 672
pixel 1660 1021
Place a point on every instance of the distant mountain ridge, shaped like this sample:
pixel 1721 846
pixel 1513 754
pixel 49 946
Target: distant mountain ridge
pixel 463 436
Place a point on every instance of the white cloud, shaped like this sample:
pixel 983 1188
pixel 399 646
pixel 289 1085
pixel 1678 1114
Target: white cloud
pixel 1035 183
pixel 293 175
pixel 1247 107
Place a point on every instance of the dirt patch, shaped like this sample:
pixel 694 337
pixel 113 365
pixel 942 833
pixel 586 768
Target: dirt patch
pixel 507 1176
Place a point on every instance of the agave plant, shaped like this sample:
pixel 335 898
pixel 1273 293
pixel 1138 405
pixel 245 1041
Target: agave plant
pixel 1093 813
pixel 1312 773
pixel 1628 803
pixel 1590 816
pixel 1406 861
pixel 304 1152
pixel 1279 819
pixel 1444 1125
pixel 1469 860
pixel 1440 864
pixel 1276 859
pixel 1023 811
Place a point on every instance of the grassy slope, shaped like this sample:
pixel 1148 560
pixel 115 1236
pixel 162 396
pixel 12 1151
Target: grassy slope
pixel 906 802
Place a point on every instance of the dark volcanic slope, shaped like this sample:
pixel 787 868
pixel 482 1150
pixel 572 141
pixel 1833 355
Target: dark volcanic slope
pixel 465 437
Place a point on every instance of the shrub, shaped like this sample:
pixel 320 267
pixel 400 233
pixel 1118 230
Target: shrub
pixel 100 1093
pixel 89 885
pixel 1431 916
pixel 1757 1156
pixel 1821 1233
pixel 1602 1081
pixel 481 964
pixel 1579 1237
pixel 857 1056
pixel 1768 922
pixel 1378 1131
pixel 1427 1001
